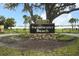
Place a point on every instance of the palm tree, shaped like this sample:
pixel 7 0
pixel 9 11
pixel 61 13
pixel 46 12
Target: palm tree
pixel 72 21
pixel 27 19
pixel 77 20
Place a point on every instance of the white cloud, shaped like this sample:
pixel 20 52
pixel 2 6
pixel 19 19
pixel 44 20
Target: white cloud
pixel 43 15
pixel 63 19
pixel 69 16
pixel 66 9
pixel 77 5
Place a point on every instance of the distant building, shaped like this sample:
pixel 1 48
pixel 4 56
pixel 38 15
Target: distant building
pixel 1 26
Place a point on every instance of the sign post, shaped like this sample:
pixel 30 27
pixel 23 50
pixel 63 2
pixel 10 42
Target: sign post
pixel 42 28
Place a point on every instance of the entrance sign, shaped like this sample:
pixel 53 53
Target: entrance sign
pixel 42 28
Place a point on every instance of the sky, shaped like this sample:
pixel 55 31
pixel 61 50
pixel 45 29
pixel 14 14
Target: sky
pixel 17 14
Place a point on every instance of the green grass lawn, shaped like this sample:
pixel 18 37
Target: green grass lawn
pixel 16 30
pixel 66 31
pixel 9 51
pixel 61 37
pixel 27 31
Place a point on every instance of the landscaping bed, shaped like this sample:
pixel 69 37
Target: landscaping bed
pixel 24 45
pixel 37 41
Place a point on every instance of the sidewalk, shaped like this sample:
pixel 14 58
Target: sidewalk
pixel 3 35
pixel 70 34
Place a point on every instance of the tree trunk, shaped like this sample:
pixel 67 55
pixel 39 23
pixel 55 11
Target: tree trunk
pixel 50 15
pixel 25 26
pixel 31 13
pixel 72 27
pixel 75 26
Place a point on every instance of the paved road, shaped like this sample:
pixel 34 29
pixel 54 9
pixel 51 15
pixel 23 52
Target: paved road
pixel 11 34
pixel 70 34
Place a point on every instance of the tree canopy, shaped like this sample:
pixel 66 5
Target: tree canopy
pixel 2 19
pixel 72 20
pixel 53 10
pixel 9 22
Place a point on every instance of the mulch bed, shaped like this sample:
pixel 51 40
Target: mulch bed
pixel 41 44
pixel 37 44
